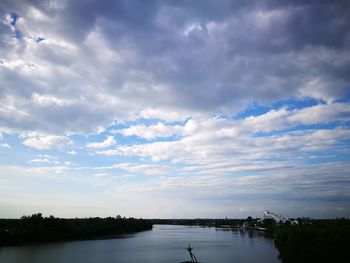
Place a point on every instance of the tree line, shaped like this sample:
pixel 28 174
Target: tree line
pixel 36 228
pixel 314 241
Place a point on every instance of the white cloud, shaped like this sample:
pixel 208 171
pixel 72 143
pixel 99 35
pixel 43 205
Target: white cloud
pixel 50 100
pixel 192 27
pixel 110 152
pixel 154 113
pixel 134 168
pixel 5 145
pixel 44 159
pixel 101 174
pixel 218 141
pixel 46 142
pixel 109 141
pixel 324 113
pixel 283 118
pixel 272 120
pixel 47 169
pixel 37 14
pixel 158 130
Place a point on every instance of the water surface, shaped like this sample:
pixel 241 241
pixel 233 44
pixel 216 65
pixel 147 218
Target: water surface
pixel 164 243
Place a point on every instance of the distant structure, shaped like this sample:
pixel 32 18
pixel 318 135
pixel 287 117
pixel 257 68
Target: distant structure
pixel 276 217
pixel 193 257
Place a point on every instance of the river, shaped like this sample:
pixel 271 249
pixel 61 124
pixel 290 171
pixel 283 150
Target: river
pixel 163 244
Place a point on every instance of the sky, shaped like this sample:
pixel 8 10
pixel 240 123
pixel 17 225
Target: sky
pixel 175 109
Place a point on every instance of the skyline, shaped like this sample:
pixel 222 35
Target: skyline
pixel 194 108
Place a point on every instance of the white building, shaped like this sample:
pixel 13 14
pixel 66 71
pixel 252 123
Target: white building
pixel 276 217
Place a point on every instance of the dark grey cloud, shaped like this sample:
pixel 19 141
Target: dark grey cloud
pixel 201 56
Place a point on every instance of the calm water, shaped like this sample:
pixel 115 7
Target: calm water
pixel 162 244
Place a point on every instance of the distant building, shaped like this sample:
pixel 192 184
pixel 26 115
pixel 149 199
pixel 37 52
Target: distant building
pixel 294 222
pixel 276 217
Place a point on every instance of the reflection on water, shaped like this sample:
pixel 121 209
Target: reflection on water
pixel 162 244
pixel 246 232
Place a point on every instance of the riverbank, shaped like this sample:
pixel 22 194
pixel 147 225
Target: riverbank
pixel 318 241
pixel 311 240
pixel 38 229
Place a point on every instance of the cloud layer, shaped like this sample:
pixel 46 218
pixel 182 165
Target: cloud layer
pixel 229 100
pixel 100 63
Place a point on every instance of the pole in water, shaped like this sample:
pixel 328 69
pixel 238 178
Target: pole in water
pixel 193 257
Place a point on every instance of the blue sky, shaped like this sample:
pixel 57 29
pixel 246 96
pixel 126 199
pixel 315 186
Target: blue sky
pixel 193 108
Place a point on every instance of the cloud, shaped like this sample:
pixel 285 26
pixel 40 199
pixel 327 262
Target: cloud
pixel 324 113
pixel 133 168
pixel 48 169
pixel 46 142
pixel 170 61
pixel 307 186
pixel 153 113
pixel 101 174
pixel 5 145
pixel 283 118
pixel 109 141
pixel 221 140
pixel 158 130
pixel 44 159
